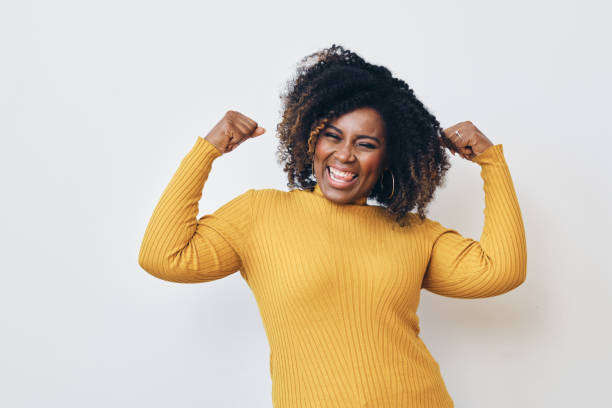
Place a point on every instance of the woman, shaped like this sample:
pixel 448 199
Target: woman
pixel 337 281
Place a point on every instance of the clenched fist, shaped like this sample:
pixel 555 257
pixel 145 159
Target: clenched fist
pixel 233 129
pixel 466 139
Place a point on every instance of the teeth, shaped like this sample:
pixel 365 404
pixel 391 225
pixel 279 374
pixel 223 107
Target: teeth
pixel 337 179
pixel 341 173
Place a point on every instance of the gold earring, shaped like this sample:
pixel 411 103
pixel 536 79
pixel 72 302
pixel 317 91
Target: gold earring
pixel 393 180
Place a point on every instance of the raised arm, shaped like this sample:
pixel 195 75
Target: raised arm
pixel 177 246
pixel 464 268
pixel 180 248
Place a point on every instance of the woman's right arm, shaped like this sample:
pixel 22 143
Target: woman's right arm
pixel 177 246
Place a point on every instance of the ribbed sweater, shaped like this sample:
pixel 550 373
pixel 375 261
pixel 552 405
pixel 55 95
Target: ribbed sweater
pixel 337 285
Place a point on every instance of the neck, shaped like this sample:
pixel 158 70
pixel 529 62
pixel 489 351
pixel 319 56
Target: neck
pixel 360 201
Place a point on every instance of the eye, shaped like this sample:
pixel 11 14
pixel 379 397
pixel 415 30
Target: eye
pixel 332 135
pixel 368 145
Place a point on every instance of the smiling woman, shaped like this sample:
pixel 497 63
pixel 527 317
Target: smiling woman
pixel 337 89
pixel 338 281
pixel 350 155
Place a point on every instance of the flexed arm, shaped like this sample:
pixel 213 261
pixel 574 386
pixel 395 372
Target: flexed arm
pixel 177 246
pixel 497 263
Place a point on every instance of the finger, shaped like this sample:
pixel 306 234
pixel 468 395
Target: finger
pixel 244 127
pixel 248 131
pixel 459 138
pixel 468 152
pixel 446 141
pixel 458 134
pixel 249 124
pixel 451 129
pixel 258 132
pixel 249 121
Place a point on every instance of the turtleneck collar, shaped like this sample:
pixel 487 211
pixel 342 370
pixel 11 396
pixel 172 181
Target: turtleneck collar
pixel 360 201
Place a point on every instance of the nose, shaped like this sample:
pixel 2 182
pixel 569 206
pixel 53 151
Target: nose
pixel 345 152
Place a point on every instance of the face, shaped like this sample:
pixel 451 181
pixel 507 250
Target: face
pixel 354 146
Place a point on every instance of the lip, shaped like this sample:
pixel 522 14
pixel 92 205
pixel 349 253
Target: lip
pixel 339 184
pixel 343 169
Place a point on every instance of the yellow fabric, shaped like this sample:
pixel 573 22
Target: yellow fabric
pixel 337 286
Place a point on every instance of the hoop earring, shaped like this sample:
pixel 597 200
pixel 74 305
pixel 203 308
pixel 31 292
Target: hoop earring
pixel 393 180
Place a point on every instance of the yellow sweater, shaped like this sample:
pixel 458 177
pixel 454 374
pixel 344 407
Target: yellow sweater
pixel 337 286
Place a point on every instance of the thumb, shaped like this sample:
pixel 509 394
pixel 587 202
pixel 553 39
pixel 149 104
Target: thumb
pixel 258 132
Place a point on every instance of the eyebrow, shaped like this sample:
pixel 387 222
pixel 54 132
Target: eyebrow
pixel 369 137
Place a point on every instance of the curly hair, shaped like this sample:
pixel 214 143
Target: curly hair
pixel 334 81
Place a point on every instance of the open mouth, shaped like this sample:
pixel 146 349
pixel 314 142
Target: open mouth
pixel 340 178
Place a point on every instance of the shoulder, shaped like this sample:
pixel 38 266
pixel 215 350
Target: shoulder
pixel 422 228
pixel 268 193
pixel 272 197
pixel 271 205
pixel 433 229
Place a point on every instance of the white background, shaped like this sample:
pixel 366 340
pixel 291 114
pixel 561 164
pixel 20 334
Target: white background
pixel 101 100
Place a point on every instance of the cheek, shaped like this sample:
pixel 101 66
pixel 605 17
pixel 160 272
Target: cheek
pixel 372 164
pixel 317 165
pixel 320 147
pixel 319 154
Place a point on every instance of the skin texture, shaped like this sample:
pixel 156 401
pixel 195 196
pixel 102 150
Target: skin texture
pixel 342 144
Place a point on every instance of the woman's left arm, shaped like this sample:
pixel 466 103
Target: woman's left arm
pixel 462 267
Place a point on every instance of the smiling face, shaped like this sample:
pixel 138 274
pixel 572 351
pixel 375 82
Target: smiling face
pixel 354 147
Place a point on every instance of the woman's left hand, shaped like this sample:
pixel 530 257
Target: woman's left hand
pixel 466 139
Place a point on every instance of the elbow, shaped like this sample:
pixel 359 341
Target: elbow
pixel 156 262
pixel 510 269
pixel 153 268
pixel 151 265
pixel 145 260
pixel 520 264
pixel 517 274
pixel 518 281
pixel 522 273
pixel 521 268
pixel 167 269
pixel 503 278
pixel 147 263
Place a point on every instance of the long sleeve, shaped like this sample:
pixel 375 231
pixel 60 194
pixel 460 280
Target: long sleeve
pixel 464 268
pixel 177 246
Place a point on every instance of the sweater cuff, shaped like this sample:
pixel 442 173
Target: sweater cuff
pixel 492 154
pixel 206 148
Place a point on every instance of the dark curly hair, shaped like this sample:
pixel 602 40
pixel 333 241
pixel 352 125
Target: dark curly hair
pixel 334 81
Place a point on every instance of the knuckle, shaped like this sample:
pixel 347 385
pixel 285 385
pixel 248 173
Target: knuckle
pixel 231 115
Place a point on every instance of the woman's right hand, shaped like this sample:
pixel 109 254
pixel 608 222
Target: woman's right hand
pixel 233 129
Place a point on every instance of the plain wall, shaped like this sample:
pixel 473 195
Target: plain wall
pixel 102 100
